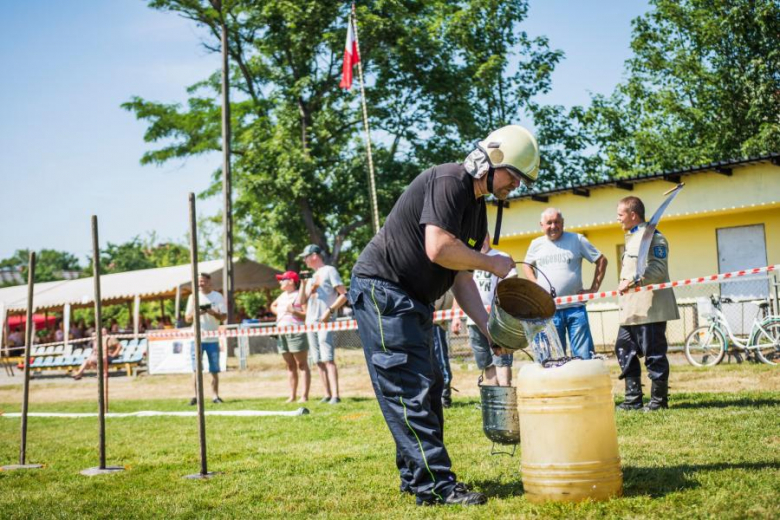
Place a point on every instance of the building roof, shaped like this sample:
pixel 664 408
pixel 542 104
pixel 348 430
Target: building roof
pixel 626 183
pixel 148 284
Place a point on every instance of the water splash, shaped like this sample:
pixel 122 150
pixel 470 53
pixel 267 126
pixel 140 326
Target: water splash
pixel 545 342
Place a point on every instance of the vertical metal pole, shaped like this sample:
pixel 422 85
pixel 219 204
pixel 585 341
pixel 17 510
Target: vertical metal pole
pixel 196 327
pixel 371 177
pixel 27 346
pixel 227 215
pixel 99 342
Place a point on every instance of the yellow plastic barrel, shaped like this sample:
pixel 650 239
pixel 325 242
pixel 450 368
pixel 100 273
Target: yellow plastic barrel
pixel 568 433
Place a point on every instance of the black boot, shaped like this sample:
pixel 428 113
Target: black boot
pixel 633 400
pixel 446 396
pixel 659 396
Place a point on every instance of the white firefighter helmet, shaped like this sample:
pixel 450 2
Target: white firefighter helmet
pixel 515 148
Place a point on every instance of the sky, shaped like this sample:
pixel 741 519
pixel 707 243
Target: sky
pixel 70 151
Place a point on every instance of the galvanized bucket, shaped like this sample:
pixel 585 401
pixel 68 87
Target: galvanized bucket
pixel 500 418
pixel 517 299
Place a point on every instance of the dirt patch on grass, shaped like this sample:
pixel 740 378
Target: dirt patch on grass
pixel 266 377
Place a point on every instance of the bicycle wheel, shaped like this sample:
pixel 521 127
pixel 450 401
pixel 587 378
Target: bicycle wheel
pixel 705 347
pixel 766 341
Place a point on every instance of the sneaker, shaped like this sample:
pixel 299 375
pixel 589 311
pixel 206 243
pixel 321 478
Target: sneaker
pixel 335 400
pixel 325 400
pixel 193 401
pixel 217 400
pixel 460 495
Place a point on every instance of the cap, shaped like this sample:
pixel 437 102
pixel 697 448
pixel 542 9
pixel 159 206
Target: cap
pixel 288 275
pixel 310 250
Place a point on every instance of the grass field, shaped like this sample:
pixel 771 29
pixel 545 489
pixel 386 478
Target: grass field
pixel 714 454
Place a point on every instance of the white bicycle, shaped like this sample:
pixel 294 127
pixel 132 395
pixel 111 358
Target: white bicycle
pixel 706 346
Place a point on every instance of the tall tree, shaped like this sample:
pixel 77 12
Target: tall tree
pixel 703 85
pixel 50 265
pixel 441 74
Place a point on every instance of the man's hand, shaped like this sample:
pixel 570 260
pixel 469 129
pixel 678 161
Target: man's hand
pixel 326 316
pixel 455 326
pixel 500 351
pixel 624 286
pixel 501 265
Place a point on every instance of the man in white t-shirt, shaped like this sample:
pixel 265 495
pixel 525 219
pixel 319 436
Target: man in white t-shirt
pixel 558 254
pixel 498 369
pixel 212 311
pixel 325 294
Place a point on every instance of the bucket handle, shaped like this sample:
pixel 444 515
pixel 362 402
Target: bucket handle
pixel 552 289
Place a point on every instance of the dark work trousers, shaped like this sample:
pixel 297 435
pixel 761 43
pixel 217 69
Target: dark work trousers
pixel 442 353
pixel 397 336
pixel 635 341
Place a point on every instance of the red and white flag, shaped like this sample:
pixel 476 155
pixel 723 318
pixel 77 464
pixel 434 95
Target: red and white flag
pixel 351 58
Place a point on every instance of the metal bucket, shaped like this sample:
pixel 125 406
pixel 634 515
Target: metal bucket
pixel 517 299
pixel 500 417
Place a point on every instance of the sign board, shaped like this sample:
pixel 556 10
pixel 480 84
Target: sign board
pixel 174 355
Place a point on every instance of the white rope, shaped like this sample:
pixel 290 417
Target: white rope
pixel 150 413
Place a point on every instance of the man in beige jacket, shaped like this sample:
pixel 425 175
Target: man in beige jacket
pixel 643 315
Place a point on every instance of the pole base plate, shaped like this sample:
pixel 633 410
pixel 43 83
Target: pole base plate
pixel 91 472
pixel 202 476
pixel 14 467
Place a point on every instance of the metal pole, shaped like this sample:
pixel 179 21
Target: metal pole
pixel 102 361
pixel 371 178
pixel 178 307
pixel 227 211
pixel 198 351
pixel 99 341
pixel 26 392
pixel 27 346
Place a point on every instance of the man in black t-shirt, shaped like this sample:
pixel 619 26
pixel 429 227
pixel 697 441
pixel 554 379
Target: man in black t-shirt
pixel 430 243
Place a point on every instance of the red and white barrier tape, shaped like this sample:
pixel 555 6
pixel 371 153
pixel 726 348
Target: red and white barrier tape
pixel 448 314
pixel 667 285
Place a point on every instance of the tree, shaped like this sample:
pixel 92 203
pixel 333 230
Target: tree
pixel 703 85
pixel 50 265
pixel 441 74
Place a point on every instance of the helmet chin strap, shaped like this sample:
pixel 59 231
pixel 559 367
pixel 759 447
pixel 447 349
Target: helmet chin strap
pixel 500 211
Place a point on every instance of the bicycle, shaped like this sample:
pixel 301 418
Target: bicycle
pixel 707 345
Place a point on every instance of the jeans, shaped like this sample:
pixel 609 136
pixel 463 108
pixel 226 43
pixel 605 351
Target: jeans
pixel 483 354
pixel 574 320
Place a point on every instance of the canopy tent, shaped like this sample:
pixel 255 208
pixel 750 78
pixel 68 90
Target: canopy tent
pixel 146 284
pixel 41 321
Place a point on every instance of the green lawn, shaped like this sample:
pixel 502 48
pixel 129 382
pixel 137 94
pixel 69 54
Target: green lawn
pixel 712 455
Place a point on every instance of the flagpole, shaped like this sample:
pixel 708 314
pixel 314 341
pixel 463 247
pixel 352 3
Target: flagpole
pixel 371 178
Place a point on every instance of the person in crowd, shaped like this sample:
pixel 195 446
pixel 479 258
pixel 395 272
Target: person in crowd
pixel 112 349
pixel 643 315
pixel 77 330
pixel 325 294
pixel 59 333
pixel 430 243
pixel 17 337
pixel 441 350
pixel 114 327
pixel 497 369
pixel 558 254
pixel 289 311
pixel 211 313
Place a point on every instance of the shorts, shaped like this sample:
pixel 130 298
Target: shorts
pixel 483 354
pixel 320 346
pixel 211 349
pixel 291 343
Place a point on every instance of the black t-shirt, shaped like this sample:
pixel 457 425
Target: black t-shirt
pixel 442 196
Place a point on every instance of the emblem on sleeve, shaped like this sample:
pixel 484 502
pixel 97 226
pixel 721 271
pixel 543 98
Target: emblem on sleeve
pixel 472 241
pixel 659 251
